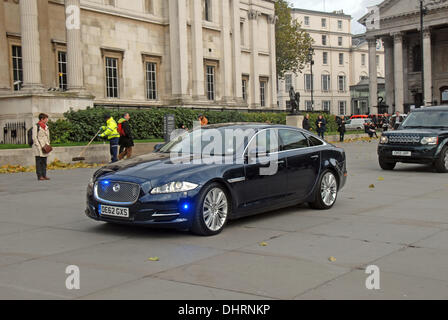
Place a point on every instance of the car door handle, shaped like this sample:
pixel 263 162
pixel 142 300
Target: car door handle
pixel 315 157
pixel 281 162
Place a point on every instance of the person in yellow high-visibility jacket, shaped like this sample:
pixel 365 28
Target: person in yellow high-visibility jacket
pixel 110 131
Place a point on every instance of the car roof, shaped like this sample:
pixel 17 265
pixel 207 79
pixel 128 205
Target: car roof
pixel 247 125
pixel 430 109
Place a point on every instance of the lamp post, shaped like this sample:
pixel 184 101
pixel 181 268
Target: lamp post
pixel 423 11
pixel 311 60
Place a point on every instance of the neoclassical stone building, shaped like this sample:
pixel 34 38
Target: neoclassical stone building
pixel 340 61
pixel 189 53
pixel 397 23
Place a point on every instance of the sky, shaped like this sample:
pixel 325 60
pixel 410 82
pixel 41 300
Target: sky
pixel 355 8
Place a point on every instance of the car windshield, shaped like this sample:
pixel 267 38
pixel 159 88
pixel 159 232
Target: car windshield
pixel 210 141
pixel 432 119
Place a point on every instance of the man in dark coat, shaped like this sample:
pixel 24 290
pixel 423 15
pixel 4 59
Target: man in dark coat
pixel 306 123
pixel 126 139
pixel 321 126
pixel 341 129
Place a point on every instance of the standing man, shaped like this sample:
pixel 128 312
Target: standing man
pixel 341 129
pixel 321 126
pixel 126 139
pixel 41 146
pixel 398 120
pixel 111 133
pixel 306 123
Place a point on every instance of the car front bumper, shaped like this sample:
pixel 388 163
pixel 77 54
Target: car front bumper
pixel 419 154
pixel 166 210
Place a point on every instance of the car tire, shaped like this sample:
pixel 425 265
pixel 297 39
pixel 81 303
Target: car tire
pixel 385 165
pixel 441 164
pixel 326 192
pixel 212 211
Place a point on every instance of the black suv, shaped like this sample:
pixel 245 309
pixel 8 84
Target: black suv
pixel 422 138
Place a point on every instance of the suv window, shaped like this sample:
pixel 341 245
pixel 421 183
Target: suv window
pixel 429 119
pixel 291 140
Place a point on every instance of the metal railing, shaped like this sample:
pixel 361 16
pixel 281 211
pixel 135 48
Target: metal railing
pixel 14 133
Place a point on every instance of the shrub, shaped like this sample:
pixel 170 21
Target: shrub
pixel 82 125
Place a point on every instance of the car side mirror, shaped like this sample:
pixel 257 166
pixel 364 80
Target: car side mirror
pixel 158 147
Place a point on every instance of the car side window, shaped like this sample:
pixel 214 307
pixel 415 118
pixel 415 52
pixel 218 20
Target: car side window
pixel 265 140
pixel 292 139
pixel 314 142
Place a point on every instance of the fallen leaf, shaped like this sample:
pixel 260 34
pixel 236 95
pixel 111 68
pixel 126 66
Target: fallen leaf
pixel 332 259
pixel 372 186
pixel 380 179
pixel 263 244
pixel 154 259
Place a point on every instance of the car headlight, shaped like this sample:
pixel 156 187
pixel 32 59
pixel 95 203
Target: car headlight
pixel 384 140
pixel 430 140
pixel 174 187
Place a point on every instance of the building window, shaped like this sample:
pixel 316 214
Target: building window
pixel 245 89
pixel 210 83
pixel 243 40
pixel 308 82
pixel 325 58
pixel 112 77
pixel 17 67
pixel 325 82
pixel 377 61
pixel 417 59
pixel 309 105
pixel 342 107
pixel 340 41
pixel 62 70
pixel 324 40
pixel 341 83
pixel 151 81
pixel 149 6
pixel 341 59
pixel 307 20
pixel 340 24
pixel 263 93
pixel 326 105
pixel 207 10
pixel 363 59
pixel 288 82
pixel 324 23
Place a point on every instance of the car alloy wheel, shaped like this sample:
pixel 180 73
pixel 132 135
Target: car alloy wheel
pixel 215 209
pixel 329 189
pixel 441 164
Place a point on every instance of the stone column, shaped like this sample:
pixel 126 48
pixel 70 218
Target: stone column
pixel 398 71
pixel 5 81
pixel 75 74
pixel 197 51
pixel 47 63
pixel 373 77
pixel 226 61
pixel 389 76
pixel 32 80
pixel 178 48
pixel 236 54
pixel 427 67
pixel 272 20
pixel 254 74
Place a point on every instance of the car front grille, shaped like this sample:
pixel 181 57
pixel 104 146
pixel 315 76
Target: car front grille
pixel 404 139
pixel 124 193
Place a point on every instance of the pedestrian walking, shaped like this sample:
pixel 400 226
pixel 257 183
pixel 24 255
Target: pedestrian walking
pixel 321 126
pixel 342 130
pixel 126 138
pixel 41 146
pixel 110 131
pixel 306 123
pixel 397 121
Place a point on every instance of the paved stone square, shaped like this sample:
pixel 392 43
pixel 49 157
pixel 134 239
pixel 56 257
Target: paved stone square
pixel 401 226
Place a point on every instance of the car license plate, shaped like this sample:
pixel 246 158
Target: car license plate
pixel 402 153
pixel 114 211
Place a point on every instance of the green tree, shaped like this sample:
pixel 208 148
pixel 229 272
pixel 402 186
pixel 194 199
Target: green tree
pixel 292 42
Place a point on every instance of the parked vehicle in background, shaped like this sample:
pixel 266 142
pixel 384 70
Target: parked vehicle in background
pixel 421 138
pixel 357 123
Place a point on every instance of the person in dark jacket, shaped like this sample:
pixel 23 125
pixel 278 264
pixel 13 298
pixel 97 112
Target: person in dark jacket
pixel 321 126
pixel 342 129
pixel 306 123
pixel 126 139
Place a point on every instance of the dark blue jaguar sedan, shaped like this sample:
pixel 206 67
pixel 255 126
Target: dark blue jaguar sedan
pixel 205 177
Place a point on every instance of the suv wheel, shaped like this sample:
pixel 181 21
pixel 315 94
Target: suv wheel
pixel 326 192
pixel 441 164
pixel 212 212
pixel 388 166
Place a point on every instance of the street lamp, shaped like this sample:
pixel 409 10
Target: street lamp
pixel 311 61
